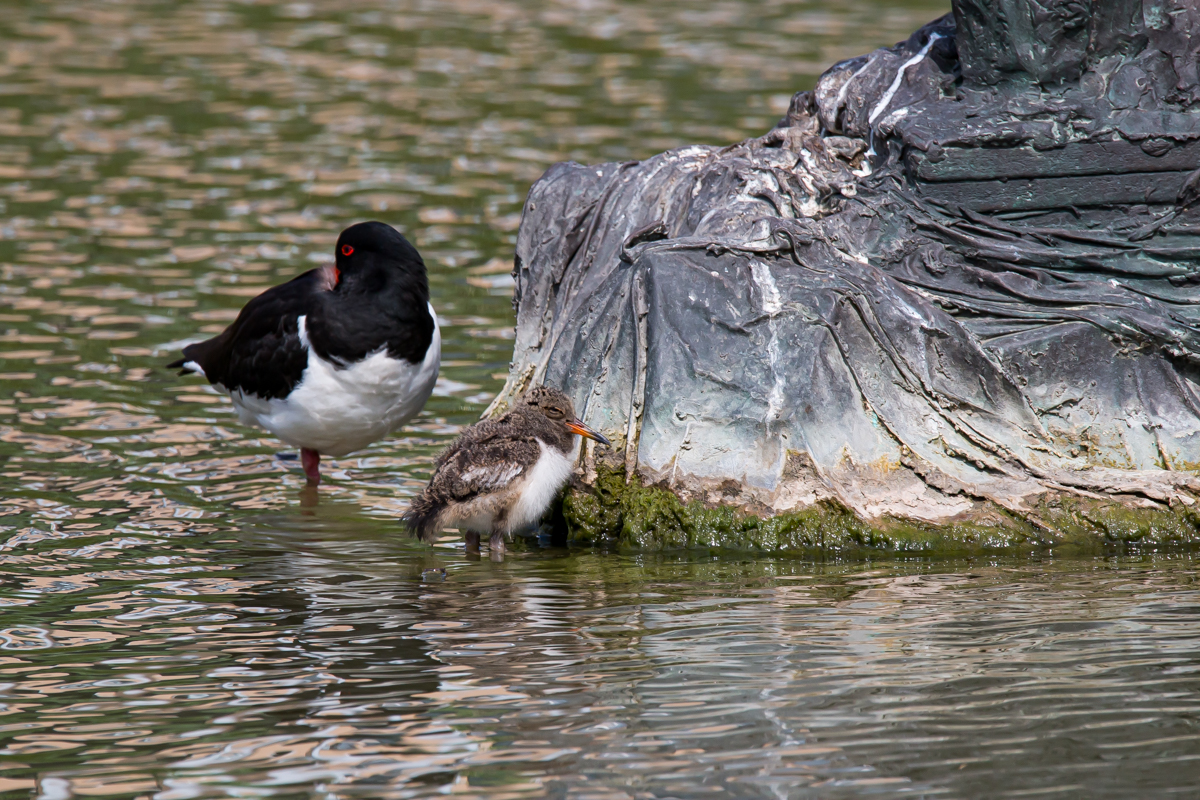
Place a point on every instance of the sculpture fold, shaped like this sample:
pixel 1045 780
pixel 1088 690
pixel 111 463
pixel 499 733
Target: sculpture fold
pixel 962 271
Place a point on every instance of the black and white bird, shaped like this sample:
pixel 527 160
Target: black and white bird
pixel 336 358
pixel 500 475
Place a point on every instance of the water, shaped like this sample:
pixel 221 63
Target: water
pixel 317 657
pixel 179 619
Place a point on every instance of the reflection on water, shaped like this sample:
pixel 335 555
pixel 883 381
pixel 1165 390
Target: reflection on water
pixel 177 620
pixel 302 655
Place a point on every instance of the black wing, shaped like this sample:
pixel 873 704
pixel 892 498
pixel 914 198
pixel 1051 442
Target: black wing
pixel 261 352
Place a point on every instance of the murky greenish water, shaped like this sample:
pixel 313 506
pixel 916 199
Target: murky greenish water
pixel 177 620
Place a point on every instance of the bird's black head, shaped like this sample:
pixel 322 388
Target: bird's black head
pixel 371 255
pixel 559 411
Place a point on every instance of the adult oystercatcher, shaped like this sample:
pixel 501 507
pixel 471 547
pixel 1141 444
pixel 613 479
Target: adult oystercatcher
pixel 500 475
pixel 335 358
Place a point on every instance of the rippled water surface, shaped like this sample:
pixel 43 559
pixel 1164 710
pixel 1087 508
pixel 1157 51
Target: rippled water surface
pixel 178 619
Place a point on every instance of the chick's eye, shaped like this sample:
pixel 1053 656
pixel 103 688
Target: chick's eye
pixel 555 413
pixel 347 250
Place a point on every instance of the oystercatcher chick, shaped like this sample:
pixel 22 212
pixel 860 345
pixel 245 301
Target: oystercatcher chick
pixel 500 475
pixel 336 358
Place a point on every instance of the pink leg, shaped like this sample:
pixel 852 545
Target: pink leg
pixel 311 460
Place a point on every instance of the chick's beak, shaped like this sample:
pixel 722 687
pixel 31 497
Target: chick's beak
pixel 576 426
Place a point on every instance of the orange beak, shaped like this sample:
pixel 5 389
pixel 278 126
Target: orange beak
pixel 576 426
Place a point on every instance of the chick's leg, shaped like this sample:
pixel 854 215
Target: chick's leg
pixel 496 545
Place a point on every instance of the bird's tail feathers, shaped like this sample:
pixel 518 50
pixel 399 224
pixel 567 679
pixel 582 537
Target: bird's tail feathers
pixel 421 517
pixel 187 366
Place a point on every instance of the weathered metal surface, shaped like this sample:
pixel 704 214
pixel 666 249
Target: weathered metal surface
pixel 962 272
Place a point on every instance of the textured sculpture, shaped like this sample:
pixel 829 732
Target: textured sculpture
pixel 962 276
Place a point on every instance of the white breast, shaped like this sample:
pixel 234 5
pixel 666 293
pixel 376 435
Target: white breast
pixel 541 484
pixel 336 411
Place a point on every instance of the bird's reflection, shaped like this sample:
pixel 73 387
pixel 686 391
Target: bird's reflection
pixel 310 498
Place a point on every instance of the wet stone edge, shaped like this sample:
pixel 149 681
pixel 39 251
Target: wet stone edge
pixel 637 517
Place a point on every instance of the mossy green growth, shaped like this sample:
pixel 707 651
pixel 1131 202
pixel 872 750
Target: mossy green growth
pixel 1074 520
pixel 639 517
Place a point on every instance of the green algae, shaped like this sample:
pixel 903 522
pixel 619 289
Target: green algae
pixel 1112 523
pixel 635 516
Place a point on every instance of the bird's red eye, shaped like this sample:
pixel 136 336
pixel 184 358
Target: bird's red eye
pixel 347 250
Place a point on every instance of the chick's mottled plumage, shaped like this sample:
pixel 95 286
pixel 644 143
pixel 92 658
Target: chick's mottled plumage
pixel 500 475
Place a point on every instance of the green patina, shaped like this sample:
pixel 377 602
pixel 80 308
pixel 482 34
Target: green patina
pixel 639 517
